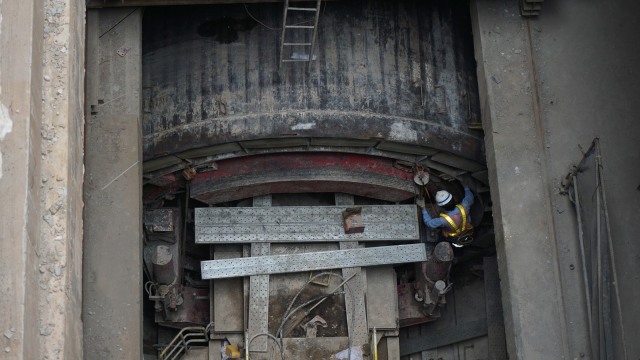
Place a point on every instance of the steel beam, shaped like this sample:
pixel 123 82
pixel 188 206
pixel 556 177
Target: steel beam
pixel 303 224
pixel 251 176
pixel 276 264
pixel 259 290
pixel 354 299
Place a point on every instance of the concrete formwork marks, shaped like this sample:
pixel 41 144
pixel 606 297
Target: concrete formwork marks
pixel 385 70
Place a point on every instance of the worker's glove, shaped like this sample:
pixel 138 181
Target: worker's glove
pixel 420 202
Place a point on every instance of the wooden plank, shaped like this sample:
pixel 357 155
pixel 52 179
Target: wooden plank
pixel 382 298
pixel 228 295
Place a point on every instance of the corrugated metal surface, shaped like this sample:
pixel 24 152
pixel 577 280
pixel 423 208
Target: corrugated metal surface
pixel 402 71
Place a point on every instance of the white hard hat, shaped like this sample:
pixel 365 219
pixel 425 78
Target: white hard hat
pixel 443 197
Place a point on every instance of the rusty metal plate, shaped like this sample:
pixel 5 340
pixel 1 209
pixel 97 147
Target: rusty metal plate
pixel 277 264
pixel 303 224
pixel 159 220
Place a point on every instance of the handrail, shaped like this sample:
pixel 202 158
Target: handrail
pixel 183 341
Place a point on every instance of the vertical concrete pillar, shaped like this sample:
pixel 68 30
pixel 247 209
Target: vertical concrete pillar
pixel 62 136
pixel 41 140
pixel 20 161
pixel 112 307
pixel 527 254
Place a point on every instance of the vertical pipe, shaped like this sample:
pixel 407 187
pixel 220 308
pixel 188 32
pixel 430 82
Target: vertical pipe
pixel 610 242
pixel 439 262
pixel 163 265
pixel 599 257
pixel 375 344
pixel 583 258
pixel 246 346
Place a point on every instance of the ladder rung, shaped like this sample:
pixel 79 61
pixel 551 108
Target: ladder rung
pixel 299 26
pixel 301 9
pixel 297 44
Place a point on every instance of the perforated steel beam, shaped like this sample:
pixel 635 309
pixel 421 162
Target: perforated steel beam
pixel 277 264
pixel 259 290
pixel 354 300
pixel 303 224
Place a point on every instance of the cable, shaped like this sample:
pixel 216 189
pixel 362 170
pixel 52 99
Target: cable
pixel 258 21
pixel 430 201
pixel 314 300
pixel 118 23
pixel 270 337
pixel 148 286
pixel 269 27
pixel 288 313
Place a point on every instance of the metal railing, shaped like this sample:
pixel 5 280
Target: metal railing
pixel 187 338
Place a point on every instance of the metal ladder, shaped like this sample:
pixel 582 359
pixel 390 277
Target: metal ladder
pixel 310 45
pixel 188 337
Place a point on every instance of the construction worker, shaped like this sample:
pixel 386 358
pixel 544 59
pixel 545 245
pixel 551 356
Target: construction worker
pixel 454 220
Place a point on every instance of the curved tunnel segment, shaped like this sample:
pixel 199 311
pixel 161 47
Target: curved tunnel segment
pixel 392 77
pixel 391 92
pixel 252 176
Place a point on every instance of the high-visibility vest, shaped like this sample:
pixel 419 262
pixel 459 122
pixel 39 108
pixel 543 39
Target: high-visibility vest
pixel 456 230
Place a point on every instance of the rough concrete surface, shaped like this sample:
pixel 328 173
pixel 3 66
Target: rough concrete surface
pixel 586 61
pixel 62 136
pixel 580 56
pixel 40 188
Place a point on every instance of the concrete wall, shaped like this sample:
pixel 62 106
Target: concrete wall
pixel 112 287
pixel 41 150
pixel 586 56
pixel 549 86
pixel 397 71
pixel 531 290
pixel 574 68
